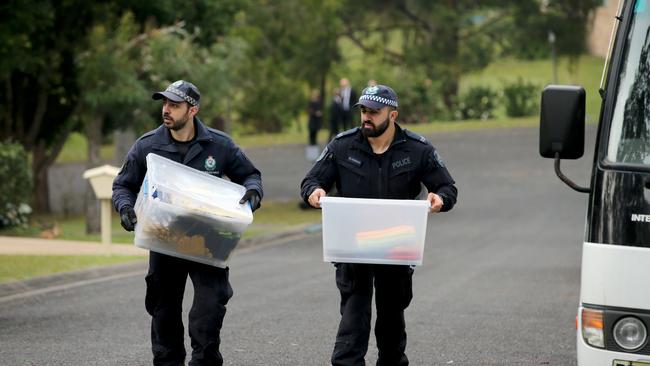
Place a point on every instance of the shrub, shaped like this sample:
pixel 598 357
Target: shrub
pixel 15 185
pixel 419 101
pixel 520 98
pixel 478 103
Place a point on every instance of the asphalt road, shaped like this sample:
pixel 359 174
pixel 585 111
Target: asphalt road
pixel 499 284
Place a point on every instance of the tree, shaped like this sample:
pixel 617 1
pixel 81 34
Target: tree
pixel 292 45
pixel 442 39
pixel 121 67
pixel 42 46
pixel 38 40
pixel 109 88
pixel 446 39
pixel 567 19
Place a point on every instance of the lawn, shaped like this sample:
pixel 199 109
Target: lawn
pixel 540 72
pixel 20 267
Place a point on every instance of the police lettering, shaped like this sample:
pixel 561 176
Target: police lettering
pixel 401 163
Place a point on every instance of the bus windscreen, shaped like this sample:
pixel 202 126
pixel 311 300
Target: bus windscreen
pixel 629 138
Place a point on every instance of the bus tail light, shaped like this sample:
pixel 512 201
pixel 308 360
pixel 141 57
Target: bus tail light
pixel 592 327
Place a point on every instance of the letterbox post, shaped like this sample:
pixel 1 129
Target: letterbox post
pixel 101 179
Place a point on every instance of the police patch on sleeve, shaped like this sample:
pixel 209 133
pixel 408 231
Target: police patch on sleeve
pixel 124 168
pixel 437 160
pixel 323 154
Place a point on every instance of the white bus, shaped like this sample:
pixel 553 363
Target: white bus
pixel 614 310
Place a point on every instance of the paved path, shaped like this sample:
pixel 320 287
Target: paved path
pixel 11 245
pixel 36 246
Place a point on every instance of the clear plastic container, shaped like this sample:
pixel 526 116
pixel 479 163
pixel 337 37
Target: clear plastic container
pixel 189 214
pixel 378 231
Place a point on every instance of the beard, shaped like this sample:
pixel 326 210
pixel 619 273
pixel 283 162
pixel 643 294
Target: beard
pixel 176 125
pixel 375 130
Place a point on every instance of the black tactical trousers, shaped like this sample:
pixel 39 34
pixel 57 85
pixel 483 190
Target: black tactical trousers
pixel 165 288
pixel 394 291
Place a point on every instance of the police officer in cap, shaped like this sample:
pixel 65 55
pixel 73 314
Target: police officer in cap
pixel 379 159
pixel 182 137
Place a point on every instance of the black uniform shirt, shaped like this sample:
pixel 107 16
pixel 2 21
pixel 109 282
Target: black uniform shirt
pixel 349 162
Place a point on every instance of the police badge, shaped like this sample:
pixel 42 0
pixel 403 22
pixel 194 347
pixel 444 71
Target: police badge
pixel 210 163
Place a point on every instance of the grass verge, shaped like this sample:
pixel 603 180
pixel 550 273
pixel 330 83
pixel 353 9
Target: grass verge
pixel 21 267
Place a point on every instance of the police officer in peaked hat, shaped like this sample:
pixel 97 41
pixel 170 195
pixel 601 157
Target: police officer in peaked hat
pixel 378 159
pixel 182 137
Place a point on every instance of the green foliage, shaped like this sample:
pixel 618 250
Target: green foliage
pixel 521 98
pixel 211 68
pixel 108 74
pixel 478 102
pixel 15 186
pixel 540 72
pixel 291 48
pixel 441 40
pixel 419 101
pixel 531 23
pixel 67 65
pixel 78 62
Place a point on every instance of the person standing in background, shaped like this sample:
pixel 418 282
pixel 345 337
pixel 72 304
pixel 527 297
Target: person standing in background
pixel 315 112
pixel 336 113
pixel 348 98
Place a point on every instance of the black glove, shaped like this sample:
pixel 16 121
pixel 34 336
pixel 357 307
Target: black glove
pixel 253 198
pixel 128 218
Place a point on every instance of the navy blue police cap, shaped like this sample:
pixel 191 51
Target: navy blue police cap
pixel 378 97
pixel 180 91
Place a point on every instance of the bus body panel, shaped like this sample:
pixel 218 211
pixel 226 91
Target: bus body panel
pixel 615 276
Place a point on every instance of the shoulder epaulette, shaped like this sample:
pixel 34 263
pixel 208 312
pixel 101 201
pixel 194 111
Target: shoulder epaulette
pixel 148 134
pixel 349 132
pixel 415 136
pixel 218 132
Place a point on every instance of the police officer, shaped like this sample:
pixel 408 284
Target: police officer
pixel 182 137
pixel 379 159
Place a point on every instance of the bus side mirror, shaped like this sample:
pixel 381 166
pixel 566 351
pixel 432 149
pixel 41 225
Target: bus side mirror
pixel 562 122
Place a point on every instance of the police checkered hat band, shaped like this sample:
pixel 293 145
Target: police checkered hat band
pixel 181 94
pixel 377 97
pixel 392 103
pixel 180 91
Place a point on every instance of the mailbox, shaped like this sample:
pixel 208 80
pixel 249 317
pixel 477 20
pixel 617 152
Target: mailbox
pixel 101 179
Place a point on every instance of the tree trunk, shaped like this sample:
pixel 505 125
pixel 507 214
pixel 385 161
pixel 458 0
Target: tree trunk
pixel 42 158
pixel 9 117
pixel 94 137
pixel 41 202
pixel 123 140
pixel 452 67
pixel 450 93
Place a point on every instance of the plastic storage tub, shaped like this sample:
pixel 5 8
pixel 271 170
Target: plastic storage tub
pixel 189 214
pixel 379 231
